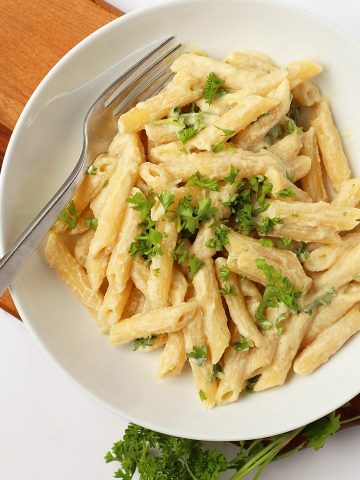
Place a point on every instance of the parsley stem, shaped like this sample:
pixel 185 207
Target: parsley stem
pixel 265 456
pixel 349 420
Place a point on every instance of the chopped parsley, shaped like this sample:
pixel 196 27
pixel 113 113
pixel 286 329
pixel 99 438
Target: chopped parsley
pixel 189 217
pixel 69 215
pixel 231 178
pixel 228 289
pixel 148 244
pixel 324 299
pixel 221 238
pixel 250 384
pixel 278 290
pixel 198 354
pixel 186 125
pixel 292 127
pixel 166 199
pixel 266 242
pixel 201 181
pixel 143 342
pixel 302 252
pixel 219 147
pixel 141 204
pixel 242 345
pixel 252 198
pixel 91 170
pixel 202 395
pixel 91 222
pixel 155 271
pixel 283 243
pixel 287 192
pixel 217 372
pixel 224 273
pixel 213 88
pixel 195 264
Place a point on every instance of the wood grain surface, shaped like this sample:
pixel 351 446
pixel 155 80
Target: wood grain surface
pixel 33 37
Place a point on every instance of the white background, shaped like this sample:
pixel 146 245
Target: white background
pixel 49 429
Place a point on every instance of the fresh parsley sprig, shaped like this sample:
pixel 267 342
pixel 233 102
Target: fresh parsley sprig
pixel 69 215
pixel 213 88
pixel 278 290
pixel 159 456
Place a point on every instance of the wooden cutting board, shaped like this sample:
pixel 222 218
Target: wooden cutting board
pixel 33 37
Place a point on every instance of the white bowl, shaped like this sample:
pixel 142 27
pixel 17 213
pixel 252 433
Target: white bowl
pixel 46 143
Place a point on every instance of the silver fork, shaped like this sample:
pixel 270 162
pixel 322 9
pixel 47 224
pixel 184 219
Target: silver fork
pixel 139 82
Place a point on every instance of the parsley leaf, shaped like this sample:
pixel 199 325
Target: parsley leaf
pixel 251 198
pixel 141 204
pixel 91 170
pixel 179 253
pixel 189 217
pixel 243 345
pixel 318 432
pixel 201 181
pixel 324 299
pixel 283 243
pixel 166 199
pixel 69 215
pixel 250 384
pixel 198 354
pixel 266 242
pixel 302 252
pixel 202 395
pixel 91 222
pixel 143 342
pixel 231 178
pixel 148 244
pixel 212 88
pixel 226 134
pixel 292 127
pixel 186 125
pixel 228 289
pixel 195 264
pixel 224 273
pixel 217 372
pixel 287 192
pixel 278 290
pixel 221 238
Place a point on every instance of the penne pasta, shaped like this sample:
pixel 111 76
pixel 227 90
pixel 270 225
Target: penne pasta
pixel 328 342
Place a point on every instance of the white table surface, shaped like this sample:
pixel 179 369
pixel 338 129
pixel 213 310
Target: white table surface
pixel 50 429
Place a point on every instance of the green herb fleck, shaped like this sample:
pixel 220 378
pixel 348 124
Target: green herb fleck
pixel 202 395
pixel 91 170
pixel 69 215
pixel 143 342
pixel 198 354
pixel 242 345
pixel 283 243
pixel 250 384
pixel 231 178
pixel 195 264
pixel 224 273
pixel 292 127
pixel 278 290
pixel 166 199
pixel 141 204
pixel 266 242
pixel 212 88
pixel 287 192
pixel 228 289
pixel 91 222
pixel 324 299
pixel 203 182
pixel 217 372
pixel 226 134
pixel 302 252
pixel 221 238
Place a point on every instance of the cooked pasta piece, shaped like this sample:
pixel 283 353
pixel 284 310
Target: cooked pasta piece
pixel 154 322
pixel 349 193
pixel 244 251
pixel 332 153
pixel 81 249
pixel 328 342
pixel 60 259
pixel 306 94
pixel 120 185
pixel 313 182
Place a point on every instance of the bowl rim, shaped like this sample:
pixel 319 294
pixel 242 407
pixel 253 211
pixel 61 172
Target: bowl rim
pixel 126 18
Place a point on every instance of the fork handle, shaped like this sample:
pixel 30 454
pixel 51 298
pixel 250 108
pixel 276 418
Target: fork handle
pixel 21 250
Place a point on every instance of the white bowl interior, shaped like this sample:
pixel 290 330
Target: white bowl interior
pixel 44 147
